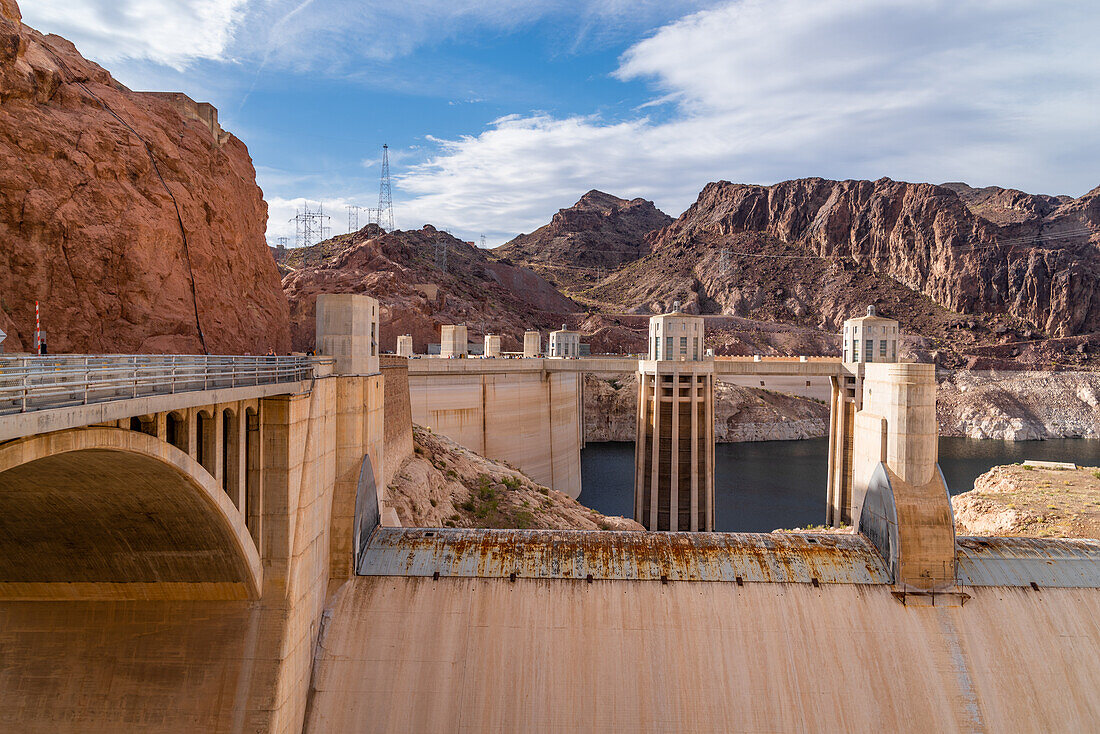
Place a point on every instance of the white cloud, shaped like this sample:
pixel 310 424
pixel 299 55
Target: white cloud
pixel 999 92
pixel 170 32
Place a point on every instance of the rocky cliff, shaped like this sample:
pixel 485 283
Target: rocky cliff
pixel 1018 406
pixel 600 230
pixel 796 250
pixel 416 295
pixel 132 217
pixel 740 413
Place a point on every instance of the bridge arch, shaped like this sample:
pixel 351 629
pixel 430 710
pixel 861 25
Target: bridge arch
pixel 106 513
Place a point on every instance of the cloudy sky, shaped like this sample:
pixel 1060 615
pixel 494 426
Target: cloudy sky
pixel 499 112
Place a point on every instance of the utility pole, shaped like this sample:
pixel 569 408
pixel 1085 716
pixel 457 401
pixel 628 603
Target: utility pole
pixel 385 194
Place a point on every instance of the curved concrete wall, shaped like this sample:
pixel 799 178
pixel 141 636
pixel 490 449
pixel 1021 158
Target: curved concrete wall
pixel 527 417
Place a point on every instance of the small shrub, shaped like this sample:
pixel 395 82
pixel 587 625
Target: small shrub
pixel 432 500
pixel 1096 474
pixel 545 491
pixel 1028 467
pixel 523 519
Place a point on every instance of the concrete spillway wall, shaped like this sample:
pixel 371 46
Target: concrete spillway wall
pixel 526 416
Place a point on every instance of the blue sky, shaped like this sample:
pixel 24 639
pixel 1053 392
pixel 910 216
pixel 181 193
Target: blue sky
pixel 497 113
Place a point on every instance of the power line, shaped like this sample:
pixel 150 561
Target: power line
pixel 309 226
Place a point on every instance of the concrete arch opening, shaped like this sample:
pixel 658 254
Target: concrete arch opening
pixel 106 513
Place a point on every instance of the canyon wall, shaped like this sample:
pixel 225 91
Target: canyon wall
pixel 1018 406
pixel 740 413
pixel 1011 406
pixel 993 251
pixel 131 217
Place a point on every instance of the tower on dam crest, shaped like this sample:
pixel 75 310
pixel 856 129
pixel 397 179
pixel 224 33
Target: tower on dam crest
pixel 674 448
pixel 453 341
pixel 565 343
pixel 865 340
pixel 532 343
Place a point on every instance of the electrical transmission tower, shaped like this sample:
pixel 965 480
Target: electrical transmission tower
pixel 724 262
pixel 483 242
pixel 441 255
pixel 353 217
pixel 385 194
pixel 309 226
pixel 282 243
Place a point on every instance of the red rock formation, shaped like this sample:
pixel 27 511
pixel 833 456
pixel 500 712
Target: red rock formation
pixel 88 222
pixel 415 296
pixel 600 230
pixel 923 237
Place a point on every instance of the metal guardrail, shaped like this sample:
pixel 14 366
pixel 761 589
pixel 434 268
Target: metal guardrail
pixel 55 381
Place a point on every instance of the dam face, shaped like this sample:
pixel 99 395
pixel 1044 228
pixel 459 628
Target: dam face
pixel 511 410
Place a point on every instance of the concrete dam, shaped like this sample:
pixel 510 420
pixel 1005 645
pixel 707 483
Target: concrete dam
pixel 203 544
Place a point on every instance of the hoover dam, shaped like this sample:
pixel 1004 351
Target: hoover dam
pixel 207 545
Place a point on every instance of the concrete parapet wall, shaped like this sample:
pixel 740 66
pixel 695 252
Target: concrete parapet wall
pixel 527 417
pixel 397 427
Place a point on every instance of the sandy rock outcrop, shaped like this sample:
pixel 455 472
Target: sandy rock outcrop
pixel 446 485
pixel 740 413
pixel 600 230
pixel 1018 406
pixel 415 296
pixel 132 217
pixel 1029 501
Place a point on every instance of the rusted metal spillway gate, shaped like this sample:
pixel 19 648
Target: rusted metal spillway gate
pixel 811 558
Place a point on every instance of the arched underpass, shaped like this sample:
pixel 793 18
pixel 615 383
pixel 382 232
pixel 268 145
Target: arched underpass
pixel 129 591
pixel 104 513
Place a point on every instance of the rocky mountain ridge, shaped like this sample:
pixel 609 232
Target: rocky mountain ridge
pixel 132 217
pixel 416 295
pixel 600 230
pixel 1040 268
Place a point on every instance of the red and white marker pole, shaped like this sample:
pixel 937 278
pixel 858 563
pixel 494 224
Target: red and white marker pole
pixel 37 330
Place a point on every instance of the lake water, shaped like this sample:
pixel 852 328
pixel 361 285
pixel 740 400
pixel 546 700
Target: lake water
pixel 764 485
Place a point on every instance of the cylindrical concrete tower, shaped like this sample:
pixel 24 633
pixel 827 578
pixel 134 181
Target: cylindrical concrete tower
pixel 674 445
pixel 865 339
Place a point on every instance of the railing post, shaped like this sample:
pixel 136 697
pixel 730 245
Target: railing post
pixel 85 380
pixel 134 363
pixel 26 374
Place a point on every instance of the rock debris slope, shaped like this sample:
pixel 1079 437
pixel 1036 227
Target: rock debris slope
pixel 92 179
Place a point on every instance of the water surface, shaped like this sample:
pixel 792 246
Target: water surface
pixel 764 485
